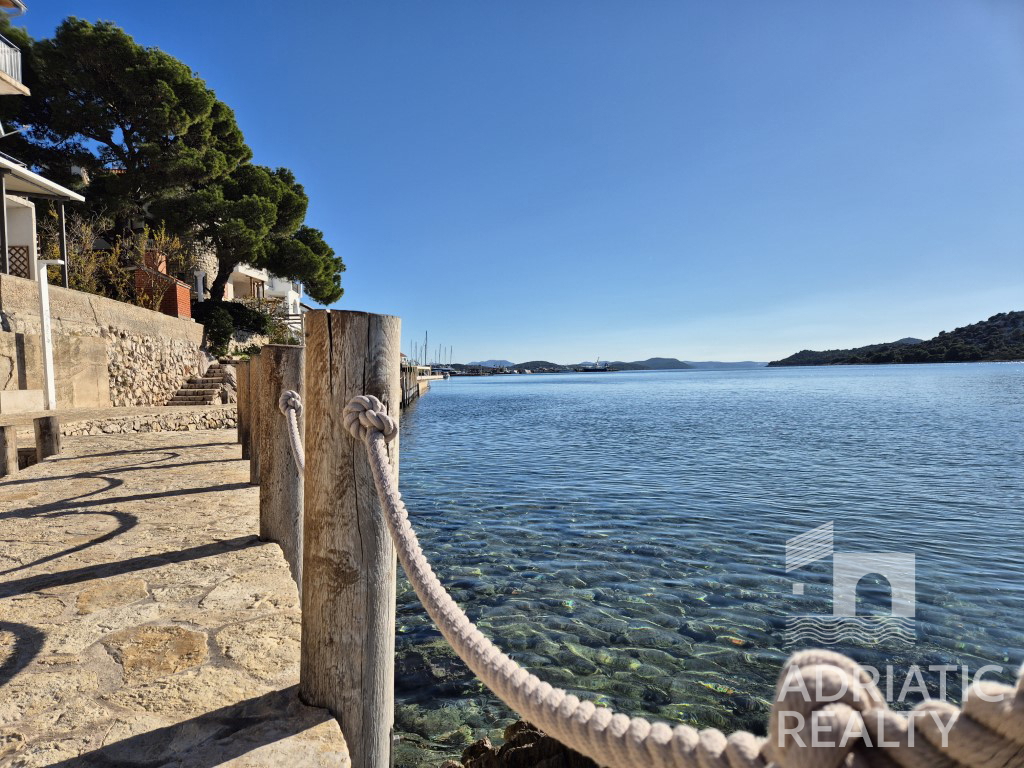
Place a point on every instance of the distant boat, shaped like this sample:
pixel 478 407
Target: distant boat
pixel 595 368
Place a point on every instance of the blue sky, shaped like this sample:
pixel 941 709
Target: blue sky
pixel 566 180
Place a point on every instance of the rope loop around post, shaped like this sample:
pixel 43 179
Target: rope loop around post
pixel 365 414
pixel 290 400
pixel 290 404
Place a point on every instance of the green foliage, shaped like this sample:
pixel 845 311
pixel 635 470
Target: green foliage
pixel 147 141
pixel 243 317
pixel 219 331
pixel 254 216
pixel 282 334
pixel 246 353
pixel 89 270
pixel 313 262
pixel 138 122
pixel 1001 337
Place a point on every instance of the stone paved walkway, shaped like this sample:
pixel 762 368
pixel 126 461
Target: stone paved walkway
pixel 141 621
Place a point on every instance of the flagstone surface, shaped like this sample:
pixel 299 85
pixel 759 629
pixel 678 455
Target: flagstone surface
pixel 142 623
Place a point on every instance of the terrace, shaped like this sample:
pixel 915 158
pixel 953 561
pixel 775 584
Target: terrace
pixel 10 69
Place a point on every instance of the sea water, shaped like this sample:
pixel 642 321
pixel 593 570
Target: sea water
pixel 624 535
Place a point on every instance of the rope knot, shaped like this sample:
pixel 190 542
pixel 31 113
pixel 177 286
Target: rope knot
pixel 290 400
pixel 365 414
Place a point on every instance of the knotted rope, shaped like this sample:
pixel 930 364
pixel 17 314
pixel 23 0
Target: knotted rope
pixel 365 415
pixel 291 406
pixel 846 721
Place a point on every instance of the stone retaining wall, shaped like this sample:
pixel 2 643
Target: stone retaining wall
pixel 171 420
pixel 144 370
pixel 147 356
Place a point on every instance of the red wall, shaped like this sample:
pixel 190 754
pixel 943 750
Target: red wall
pixel 177 301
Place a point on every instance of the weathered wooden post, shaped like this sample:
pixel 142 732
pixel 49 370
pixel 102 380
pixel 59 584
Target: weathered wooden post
pixel 47 430
pixel 348 577
pixel 253 412
pixel 8 450
pixel 282 368
pixel 242 417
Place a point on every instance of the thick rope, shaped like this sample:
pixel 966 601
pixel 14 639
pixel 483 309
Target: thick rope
pixel 843 727
pixel 291 406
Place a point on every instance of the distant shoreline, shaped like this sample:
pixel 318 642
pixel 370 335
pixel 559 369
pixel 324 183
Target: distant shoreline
pixel 1000 339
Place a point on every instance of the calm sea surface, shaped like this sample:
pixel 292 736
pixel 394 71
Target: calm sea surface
pixel 624 535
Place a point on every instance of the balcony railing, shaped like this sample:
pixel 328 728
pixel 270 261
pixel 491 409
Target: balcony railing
pixel 10 58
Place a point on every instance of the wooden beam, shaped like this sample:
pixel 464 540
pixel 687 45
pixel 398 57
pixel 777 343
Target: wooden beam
pixel 281 483
pixel 8 450
pixel 255 373
pixel 242 418
pixel 48 439
pixel 348 577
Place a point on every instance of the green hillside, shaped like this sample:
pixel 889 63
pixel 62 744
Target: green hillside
pixel 651 364
pixel 1001 337
pixel 534 365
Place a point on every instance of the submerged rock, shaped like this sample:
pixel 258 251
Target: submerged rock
pixel 524 747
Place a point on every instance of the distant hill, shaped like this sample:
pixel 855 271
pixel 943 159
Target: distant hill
pixel 1001 337
pixel 716 365
pixel 650 364
pixel 621 366
pixel 493 364
pixel 533 365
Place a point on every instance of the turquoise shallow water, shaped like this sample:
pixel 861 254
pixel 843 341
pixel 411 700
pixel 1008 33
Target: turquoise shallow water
pixel 624 535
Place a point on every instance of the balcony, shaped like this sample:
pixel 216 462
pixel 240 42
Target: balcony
pixel 10 69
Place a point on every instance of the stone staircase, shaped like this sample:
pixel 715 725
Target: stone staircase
pixel 204 390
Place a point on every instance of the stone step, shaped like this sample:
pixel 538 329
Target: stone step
pixel 201 390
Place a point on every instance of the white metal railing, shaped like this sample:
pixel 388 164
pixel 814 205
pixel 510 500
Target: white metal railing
pixel 10 58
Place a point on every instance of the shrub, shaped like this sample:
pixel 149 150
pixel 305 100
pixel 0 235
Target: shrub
pixel 220 328
pixel 244 318
pixel 246 353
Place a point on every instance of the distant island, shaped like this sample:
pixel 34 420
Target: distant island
pixel 650 364
pixel 1000 338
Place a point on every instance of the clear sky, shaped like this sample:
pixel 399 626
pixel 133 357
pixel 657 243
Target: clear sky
pixel 703 180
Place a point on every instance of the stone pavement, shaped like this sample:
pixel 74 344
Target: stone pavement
pixel 141 621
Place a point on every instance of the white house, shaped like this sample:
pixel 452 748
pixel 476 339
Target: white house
pixel 18 185
pixel 250 283
pixel 10 56
pixel 18 247
pixel 19 244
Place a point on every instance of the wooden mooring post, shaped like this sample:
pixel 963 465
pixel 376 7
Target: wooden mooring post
pixel 47 429
pixel 242 419
pixel 281 368
pixel 348 577
pixel 253 416
pixel 8 450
